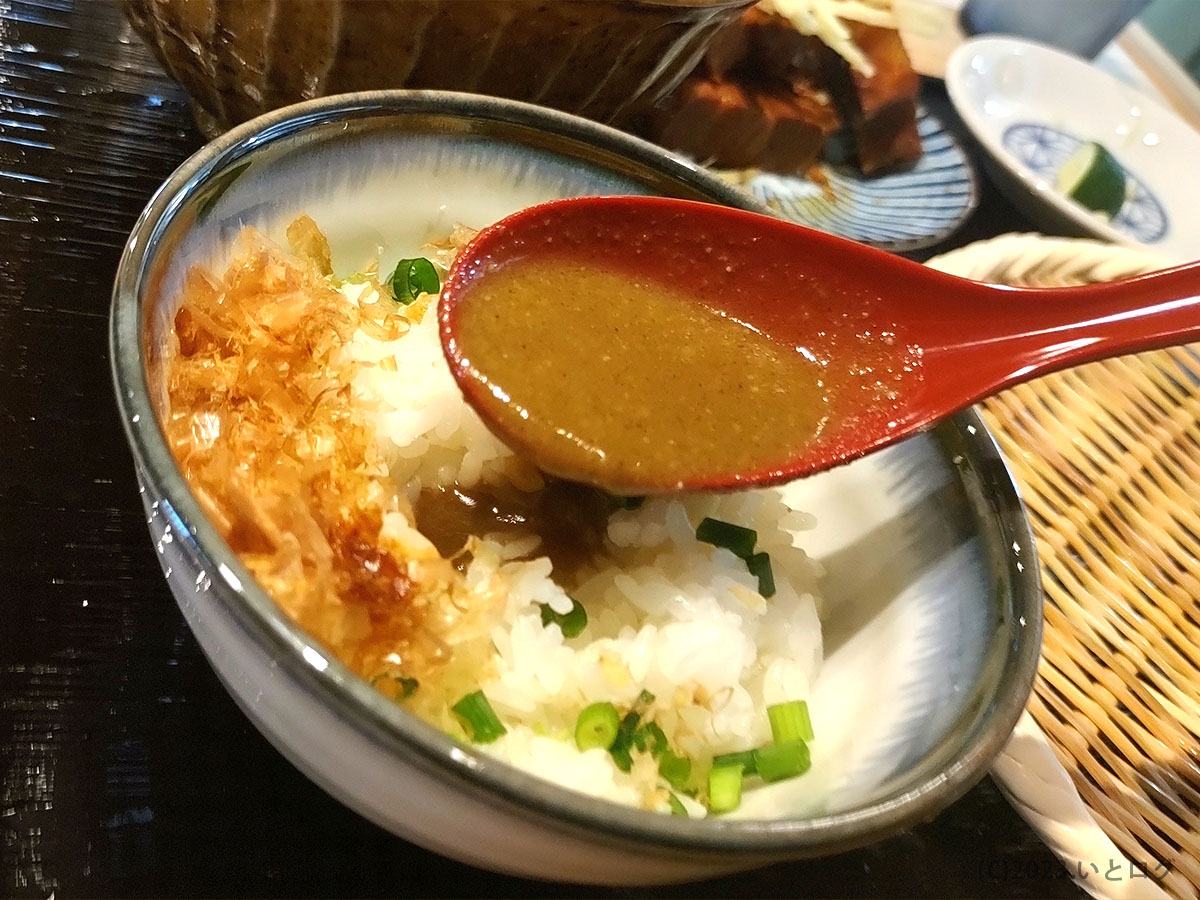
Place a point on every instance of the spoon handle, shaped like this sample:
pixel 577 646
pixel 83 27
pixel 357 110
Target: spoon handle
pixel 1023 333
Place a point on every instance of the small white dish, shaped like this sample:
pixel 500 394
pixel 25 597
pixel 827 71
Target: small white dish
pixel 1030 106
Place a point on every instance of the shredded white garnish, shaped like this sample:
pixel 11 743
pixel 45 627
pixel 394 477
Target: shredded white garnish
pixel 821 18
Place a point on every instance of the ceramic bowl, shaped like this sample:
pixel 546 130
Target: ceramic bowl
pixel 1030 106
pixel 933 622
pixel 604 59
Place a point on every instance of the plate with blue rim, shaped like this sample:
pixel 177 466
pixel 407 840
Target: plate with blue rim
pixel 1022 102
pixel 898 211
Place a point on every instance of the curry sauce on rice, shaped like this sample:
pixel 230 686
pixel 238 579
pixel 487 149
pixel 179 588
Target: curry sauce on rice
pixel 654 651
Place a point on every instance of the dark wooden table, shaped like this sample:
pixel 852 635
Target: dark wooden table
pixel 125 768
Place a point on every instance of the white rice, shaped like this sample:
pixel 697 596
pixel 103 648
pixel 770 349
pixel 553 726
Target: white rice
pixel 666 613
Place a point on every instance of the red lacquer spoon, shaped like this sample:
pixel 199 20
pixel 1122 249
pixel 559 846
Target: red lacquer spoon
pixel 651 345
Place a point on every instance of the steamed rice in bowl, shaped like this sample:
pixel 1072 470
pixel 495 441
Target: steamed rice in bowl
pixel 318 422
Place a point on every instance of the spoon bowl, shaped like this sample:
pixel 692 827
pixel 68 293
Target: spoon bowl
pixel 865 348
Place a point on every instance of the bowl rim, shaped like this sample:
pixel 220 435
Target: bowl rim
pixel 1038 188
pixel 411 740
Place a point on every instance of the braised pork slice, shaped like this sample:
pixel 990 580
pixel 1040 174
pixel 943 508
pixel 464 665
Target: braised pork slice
pixel 731 125
pixel 880 109
pixel 768 96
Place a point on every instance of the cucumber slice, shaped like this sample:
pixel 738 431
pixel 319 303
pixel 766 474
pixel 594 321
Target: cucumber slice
pixel 1092 177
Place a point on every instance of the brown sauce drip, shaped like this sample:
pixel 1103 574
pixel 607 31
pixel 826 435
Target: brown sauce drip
pixel 570 518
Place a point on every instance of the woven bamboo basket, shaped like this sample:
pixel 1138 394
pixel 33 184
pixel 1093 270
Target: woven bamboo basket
pixel 1105 764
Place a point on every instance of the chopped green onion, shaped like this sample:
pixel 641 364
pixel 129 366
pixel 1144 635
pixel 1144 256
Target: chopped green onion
pixel 572 623
pixel 478 718
pixel 724 788
pixel 776 762
pixel 740 541
pixel 724 534
pixel 650 738
pixel 744 758
pixel 790 722
pixel 597 726
pixel 412 278
pixel 630 736
pixel 677 807
pixel 759 565
pixel 621 745
pixel 674 769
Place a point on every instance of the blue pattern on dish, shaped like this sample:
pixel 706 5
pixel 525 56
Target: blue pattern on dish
pixel 897 211
pixel 1044 150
